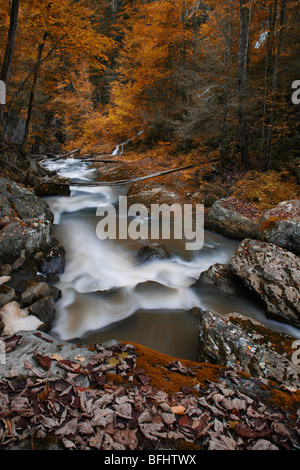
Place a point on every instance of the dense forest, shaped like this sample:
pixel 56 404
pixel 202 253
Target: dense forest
pixel 195 76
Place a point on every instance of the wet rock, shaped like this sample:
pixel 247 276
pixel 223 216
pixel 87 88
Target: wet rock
pixel 222 277
pixel 28 236
pixel 272 274
pixel 18 202
pixel 28 228
pixel 233 218
pixel 53 262
pixel 281 226
pixel 7 294
pixel 38 292
pixel 52 189
pixel 242 343
pixel 44 309
pixel 153 252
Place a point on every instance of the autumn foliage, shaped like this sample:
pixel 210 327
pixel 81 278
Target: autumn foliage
pixel 91 74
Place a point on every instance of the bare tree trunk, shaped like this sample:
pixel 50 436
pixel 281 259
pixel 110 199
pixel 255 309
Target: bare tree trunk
pixel 270 40
pixel 33 88
pixel 228 58
pixel 10 46
pixel 242 131
pixel 274 83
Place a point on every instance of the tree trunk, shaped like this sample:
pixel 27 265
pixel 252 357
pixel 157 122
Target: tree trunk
pixel 274 83
pixel 228 58
pixel 270 40
pixel 33 88
pixel 242 131
pixel 10 46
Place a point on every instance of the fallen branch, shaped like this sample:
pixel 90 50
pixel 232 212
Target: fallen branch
pixel 128 181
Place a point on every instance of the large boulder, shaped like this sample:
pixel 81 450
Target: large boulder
pixel 281 226
pixel 25 223
pixel 19 203
pixel 234 218
pixel 221 276
pixel 273 274
pixel 244 344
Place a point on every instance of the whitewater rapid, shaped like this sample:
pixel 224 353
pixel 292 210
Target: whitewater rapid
pixel 108 292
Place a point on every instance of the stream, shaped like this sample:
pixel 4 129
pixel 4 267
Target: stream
pixel 109 292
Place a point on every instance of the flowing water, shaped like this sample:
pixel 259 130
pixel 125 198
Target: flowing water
pixel 110 293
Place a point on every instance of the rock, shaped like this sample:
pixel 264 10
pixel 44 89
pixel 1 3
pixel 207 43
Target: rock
pixel 38 292
pixel 6 269
pixel 222 277
pixel 52 189
pixel 273 274
pixel 18 202
pixel 16 319
pixel 44 309
pixel 233 218
pixel 29 236
pixel 281 226
pixel 53 262
pixel 4 279
pixel 29 225
pixel 242 343
pixel 153 252
pixel 7 294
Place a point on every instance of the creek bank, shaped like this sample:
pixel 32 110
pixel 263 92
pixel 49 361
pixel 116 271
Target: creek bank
pixel 273 274
pixel 31 258
pixel 265 271
pixel 122 396
pixel 240 219
pixel 236 341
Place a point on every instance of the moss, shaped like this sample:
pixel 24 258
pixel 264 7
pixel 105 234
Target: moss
pixel 269 223
pixel 288 401
pixel 154 365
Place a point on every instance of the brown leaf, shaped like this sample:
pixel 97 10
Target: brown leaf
pixel 127 438
pixel 244 431
pixel 222 443
pixel 70 427
pixel 43 396
pixel 178 410
pixel 44 361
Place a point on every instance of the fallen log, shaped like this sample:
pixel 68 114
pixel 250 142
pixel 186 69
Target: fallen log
pixel 124 182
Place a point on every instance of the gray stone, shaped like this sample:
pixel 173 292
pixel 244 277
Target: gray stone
pixel 222 277
pixel 44 309
pixel 281 226
pixel 272 274
pixel 244 344
pixel 233 218
pixel 39 291
pixel 153 252
pixel 7 294
pixel 18 202
pixel 28 228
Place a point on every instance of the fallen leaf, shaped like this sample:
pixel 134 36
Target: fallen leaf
pixel 222 443
pixel 44 361
pixel 43 396
pixel 80 358
pixel 56 357
pixel 178 410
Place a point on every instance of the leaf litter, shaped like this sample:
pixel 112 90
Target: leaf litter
pixel 109 402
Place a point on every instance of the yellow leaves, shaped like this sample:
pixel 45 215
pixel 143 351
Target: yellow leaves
pixel 266 189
